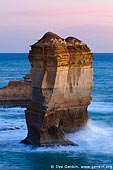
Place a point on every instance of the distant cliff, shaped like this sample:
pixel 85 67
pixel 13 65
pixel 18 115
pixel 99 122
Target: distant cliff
pixel 16 93
pixel 61 78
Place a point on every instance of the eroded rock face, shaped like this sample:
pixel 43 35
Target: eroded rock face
pixel 61 77
pixel 16 93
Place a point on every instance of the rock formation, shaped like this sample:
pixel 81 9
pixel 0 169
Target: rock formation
pixel 16 93
pixel 61 77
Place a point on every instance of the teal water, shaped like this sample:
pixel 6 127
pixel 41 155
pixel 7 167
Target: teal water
pixel 95 150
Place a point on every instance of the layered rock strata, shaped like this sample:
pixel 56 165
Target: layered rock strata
pixel 61 77
pixel 16 93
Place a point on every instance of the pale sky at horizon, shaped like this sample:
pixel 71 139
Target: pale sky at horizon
pixel 22 23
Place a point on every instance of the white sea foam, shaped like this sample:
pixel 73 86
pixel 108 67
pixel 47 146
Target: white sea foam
pixel 95 137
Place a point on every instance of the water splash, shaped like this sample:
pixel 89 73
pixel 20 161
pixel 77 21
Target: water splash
pixel 95 137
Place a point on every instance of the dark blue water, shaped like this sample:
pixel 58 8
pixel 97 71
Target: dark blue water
pixel 95 150
pixel 13 67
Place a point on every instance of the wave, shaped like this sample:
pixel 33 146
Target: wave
pixel 95 137
pixel 102 107
pixel 11 110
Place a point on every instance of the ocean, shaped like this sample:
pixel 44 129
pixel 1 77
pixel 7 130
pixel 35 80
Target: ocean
pixel 95 141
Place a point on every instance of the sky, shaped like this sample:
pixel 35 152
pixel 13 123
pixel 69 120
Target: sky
pixel 23 22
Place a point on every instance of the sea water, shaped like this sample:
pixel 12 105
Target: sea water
pixel 95 141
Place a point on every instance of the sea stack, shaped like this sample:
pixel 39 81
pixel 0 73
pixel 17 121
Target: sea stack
pixel 62 81
pixel 16 93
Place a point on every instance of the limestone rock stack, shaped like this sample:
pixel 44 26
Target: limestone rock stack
pixel 16 93
pixel 61 78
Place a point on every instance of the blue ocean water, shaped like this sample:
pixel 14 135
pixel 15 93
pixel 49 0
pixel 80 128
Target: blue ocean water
pixel 95 150
pixel 13 67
